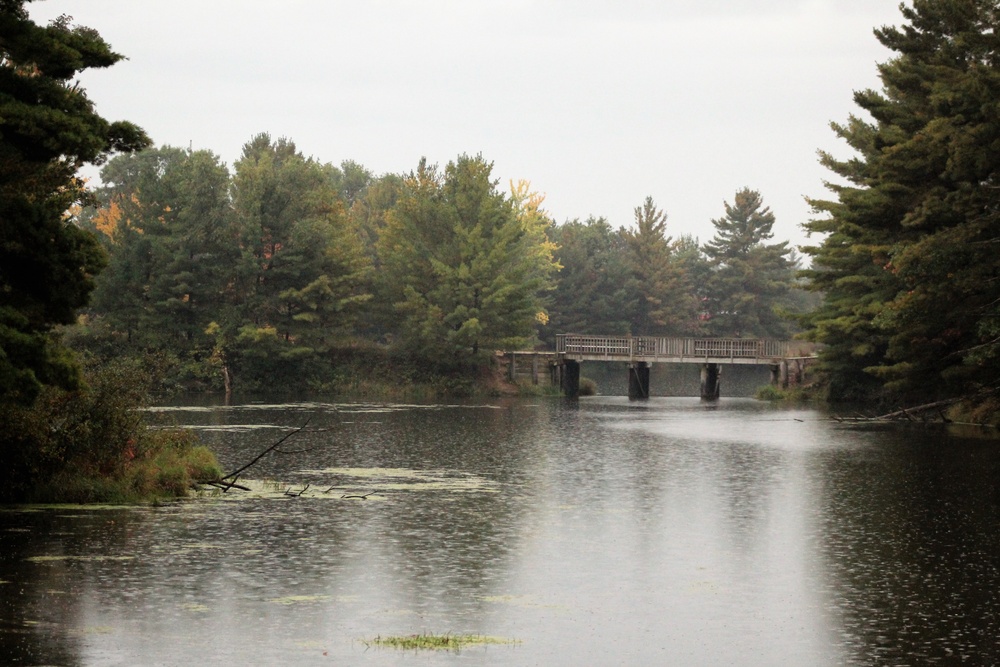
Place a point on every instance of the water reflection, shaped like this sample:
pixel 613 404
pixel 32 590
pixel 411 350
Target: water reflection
pixel 597 532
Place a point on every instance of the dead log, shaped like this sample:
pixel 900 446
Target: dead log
pixel 908 414
pixel 361 496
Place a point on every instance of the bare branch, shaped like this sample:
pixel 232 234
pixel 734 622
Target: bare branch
pixel 266 452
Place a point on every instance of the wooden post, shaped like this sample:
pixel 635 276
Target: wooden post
pixel 512 367
pixel 638 380
pixel 710 382
pixel 534 369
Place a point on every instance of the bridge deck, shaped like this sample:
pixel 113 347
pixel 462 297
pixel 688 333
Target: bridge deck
pixel 671 350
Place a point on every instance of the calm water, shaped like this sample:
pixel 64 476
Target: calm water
pixel 668 532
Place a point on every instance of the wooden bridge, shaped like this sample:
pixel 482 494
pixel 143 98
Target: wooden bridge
pixel 651 349
pixel 785 358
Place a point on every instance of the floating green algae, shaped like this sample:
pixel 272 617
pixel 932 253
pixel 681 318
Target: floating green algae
pixel 446 642
pixel 357 484
pixel 299 599
pixel 53 559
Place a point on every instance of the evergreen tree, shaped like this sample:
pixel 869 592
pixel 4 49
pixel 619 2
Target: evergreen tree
pixel 368 215
pixel 667 304
pixel 464 264
pixel 595 291
pixel 697 268
pixel 165 215
pixel 48 130
pixel 302 271
pixel 751 280
pixel 909 268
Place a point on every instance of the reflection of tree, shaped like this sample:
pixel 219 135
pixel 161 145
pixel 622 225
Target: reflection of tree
pixel 40 599
pixel 446 547
pixel 747 477
pixel 911 546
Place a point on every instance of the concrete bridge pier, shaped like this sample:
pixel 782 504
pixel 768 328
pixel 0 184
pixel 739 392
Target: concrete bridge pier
pixel 570 380
pixel 710 382
pixel 638 380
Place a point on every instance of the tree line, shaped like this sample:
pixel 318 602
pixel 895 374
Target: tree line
pixel 272 271
pixel 289 264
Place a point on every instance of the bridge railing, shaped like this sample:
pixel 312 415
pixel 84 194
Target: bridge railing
pixel 629 347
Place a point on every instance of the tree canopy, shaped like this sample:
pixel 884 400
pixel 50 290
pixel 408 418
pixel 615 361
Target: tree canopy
pixel 750 280
pixel 908 262
pixel 466 264
pixel 667 303
pixel 48 130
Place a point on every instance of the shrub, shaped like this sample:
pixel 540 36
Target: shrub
pixel 769 392
pixel 93 445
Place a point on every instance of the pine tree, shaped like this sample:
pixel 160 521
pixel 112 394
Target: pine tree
pixel 909 268
pixel 48 130
pixel 464 264
pixel 302 270
pixel 750 279
pixel 595 291
pixel 166 218
pixel 667 304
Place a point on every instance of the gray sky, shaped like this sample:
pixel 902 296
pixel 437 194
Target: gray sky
pixel 597 103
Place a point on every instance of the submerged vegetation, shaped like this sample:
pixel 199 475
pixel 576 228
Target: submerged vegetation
pixel 447 642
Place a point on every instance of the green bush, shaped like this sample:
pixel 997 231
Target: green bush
pixel 793 394
pixel 769 392
pixel 93 445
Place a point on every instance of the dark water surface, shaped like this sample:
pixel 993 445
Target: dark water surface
pixel 668 532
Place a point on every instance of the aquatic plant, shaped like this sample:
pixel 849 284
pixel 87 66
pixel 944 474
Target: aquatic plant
pixel 445 642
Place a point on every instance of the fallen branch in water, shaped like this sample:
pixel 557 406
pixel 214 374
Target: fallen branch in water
pixel 908 414
pixel 225 486
pixel 362 496
pixel 236 473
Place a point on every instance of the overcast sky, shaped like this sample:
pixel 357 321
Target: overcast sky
pixel 597 103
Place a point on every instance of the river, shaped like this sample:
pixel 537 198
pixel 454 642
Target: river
pixel 590 532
